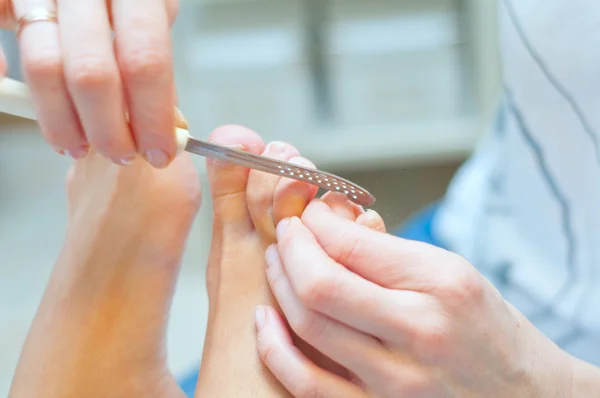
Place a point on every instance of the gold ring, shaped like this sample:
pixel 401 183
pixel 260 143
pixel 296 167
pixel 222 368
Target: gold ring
pixel 36 15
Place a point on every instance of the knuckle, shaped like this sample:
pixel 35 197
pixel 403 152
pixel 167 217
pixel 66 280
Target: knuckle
pixel 348 251
pixel 319 292
pixel 463 289
pixel 309 389
pixel 92 74
pixel 145 64
pixel 43 66
pixel 266 353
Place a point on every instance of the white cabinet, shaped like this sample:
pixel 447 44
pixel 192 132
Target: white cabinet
pixel 351 83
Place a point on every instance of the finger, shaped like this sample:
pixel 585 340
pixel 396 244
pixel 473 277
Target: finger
pixel 228 182
pixel 339 203
pixel 172 8
pixel 3 63
pixel 381 258
pixel 326 287
pixel 93 78
pixel 291 196
pixel 328 336
pixel 43 69
pixel 295 372
pixel 261 190
pixel 145 59
pixel 372 220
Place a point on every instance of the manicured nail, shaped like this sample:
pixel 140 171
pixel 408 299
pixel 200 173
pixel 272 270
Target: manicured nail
pixel 128 159
pixel 276 148
pixel 78 153
pixel 157 158
pixel 271 255
pixel 260 315
pixel 282 226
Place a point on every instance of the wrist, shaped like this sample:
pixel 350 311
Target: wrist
pixel 586 379
pixel 544 370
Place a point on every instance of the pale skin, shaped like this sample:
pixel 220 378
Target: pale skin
pixel 83 82
pixel 100 328
pixel 405 318
pixel 395 318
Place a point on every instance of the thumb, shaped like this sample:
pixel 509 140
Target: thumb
pixel 381 258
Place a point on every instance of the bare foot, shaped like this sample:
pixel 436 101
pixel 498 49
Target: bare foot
pixel 247 207
pixel 100 328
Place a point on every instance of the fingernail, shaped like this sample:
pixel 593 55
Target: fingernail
pixel 276 148
pixel 260 315
pixel 271 255
pixel 128 159
pixel 157 158
pixel 282 226
pixel 78 153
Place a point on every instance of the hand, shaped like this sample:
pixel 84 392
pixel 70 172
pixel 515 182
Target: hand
pixel 83 83
pixel 405 318
pixel 247 205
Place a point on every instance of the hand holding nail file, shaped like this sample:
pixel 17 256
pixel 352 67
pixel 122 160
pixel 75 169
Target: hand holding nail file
pixel 15 100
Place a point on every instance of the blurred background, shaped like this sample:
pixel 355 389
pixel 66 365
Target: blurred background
pixel 392 94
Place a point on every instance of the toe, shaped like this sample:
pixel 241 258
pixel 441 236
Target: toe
pixel 371 219
pixel 291 196
pixel 339 203
pixel 228 182
pixel 261 188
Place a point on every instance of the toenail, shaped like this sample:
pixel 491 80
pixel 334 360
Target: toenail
pixel 157 158
pixel 338 197
pixel 276 148
pixel 282 226
pixel 300 161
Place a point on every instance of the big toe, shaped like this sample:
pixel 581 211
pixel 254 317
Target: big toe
pixel 228 182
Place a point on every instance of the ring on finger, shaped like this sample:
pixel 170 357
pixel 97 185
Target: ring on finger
pixel 39 14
